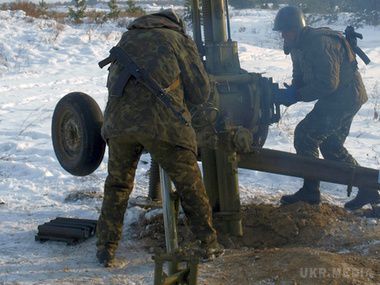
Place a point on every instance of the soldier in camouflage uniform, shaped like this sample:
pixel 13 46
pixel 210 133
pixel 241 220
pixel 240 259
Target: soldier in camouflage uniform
pixel 324 69
pixel 138 120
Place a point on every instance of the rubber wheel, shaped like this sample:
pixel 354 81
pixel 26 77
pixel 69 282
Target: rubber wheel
pixel 76 134
pixel 260 137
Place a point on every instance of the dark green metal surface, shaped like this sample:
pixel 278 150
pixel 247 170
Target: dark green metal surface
pixel 170 209
pixel 243 100
pixel 290 164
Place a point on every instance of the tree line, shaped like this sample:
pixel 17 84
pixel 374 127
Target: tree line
pixel 364 11
pixel 77 10
pixel 367 11
pixel 313 6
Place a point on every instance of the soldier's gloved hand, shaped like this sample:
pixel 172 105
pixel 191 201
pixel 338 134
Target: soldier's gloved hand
pixel 287 96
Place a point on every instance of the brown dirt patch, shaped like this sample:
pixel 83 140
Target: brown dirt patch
pixel 294 244
pixel 300 224
pixel 299 265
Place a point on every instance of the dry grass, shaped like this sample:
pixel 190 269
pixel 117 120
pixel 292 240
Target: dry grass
pixel 31 9
pixel 97 17
pixel 133 14
pixel 60 17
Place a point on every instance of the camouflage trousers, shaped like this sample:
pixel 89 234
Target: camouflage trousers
pixel 181 166
pixel 325 131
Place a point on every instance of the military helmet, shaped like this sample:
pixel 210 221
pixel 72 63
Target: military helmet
pixel 289 18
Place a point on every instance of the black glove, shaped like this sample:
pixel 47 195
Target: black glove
pixel 287 96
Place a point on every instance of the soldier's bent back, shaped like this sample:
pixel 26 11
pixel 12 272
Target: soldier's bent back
pixel 158 45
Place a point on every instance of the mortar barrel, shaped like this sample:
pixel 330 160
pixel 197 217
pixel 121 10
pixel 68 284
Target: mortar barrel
pixel 290 164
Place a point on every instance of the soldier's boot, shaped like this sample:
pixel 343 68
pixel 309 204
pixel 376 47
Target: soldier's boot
pixel 211 248
pixel 365 196
pixel 210 251
pixel 309 193
pixel 206 250
pixel 106 257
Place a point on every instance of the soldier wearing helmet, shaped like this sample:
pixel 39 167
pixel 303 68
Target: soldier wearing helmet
pixel 325 71
pixel 289 21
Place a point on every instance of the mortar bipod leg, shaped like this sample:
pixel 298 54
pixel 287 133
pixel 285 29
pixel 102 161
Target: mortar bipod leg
pixel 154 181
pixel 170 217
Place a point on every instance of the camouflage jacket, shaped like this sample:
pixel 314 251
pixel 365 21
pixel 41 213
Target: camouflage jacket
pixel 325 68
pixel 158 44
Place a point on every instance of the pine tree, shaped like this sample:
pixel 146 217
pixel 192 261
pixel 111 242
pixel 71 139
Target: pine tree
pixel 114 10
pixel 43 7
pixel 79 11
pixel 131 6
pixel 133 9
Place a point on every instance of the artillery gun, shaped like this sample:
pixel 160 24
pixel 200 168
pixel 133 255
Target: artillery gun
pixel 238 114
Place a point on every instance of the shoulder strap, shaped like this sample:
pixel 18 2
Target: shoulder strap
pixel 130 68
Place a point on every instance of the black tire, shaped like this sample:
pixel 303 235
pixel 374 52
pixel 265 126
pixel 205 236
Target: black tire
pixel 76 134
pixel 265 112
pixel 260 137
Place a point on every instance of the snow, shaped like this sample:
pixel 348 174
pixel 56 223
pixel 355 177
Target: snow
pixel 41 61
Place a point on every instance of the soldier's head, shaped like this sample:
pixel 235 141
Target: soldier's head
pixel 289 21
pixel 172 16
pixel 166 18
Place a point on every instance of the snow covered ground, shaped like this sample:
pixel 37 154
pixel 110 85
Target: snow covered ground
pixel 41 61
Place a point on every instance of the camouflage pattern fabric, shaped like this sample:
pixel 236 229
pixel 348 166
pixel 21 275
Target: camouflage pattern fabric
pixel 326 132
pixel 324 69
pixel 158 44
pixel 138 120
pixel 182 167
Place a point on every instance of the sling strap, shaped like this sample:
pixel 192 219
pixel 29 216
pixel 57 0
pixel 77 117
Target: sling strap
pixel 130 68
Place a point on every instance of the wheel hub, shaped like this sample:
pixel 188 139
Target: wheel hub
pixel 71 135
